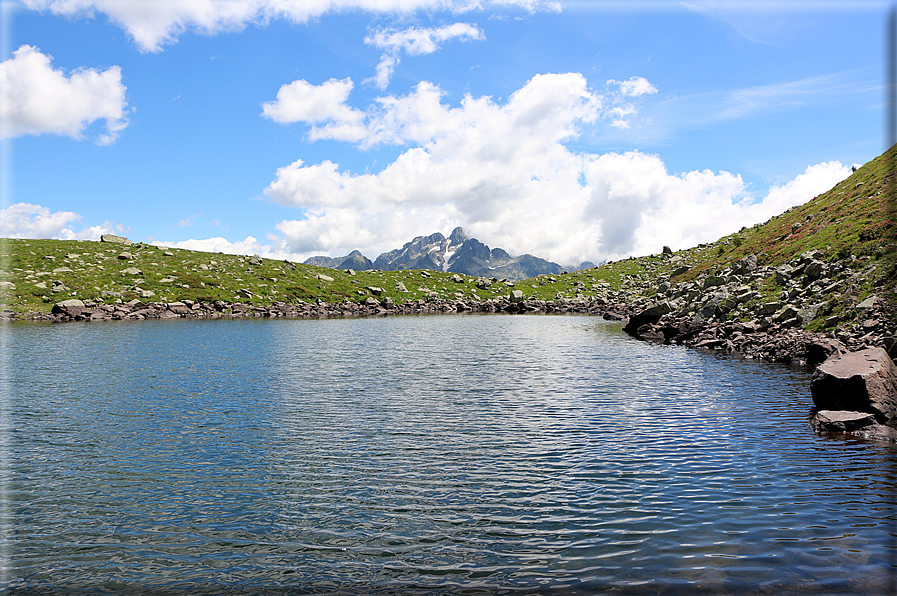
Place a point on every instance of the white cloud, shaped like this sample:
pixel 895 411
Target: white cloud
pixel 250 246
pixel 503 171
pixel 634 87
pixel 35 98
pixel 300 101
pixel 816 179
pixel 154 23
pixel 24 220
pixel 414 42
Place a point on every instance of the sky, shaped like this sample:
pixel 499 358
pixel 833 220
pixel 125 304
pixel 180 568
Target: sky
pixel 574 130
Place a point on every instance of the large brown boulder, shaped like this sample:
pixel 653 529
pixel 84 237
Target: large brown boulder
pixel 862 381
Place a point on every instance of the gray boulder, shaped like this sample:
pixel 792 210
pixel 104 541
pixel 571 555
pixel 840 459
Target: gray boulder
pixel 255 260
pixel 516 296
pixel 713 281
pixel 115 239
pixel 783 274
pixel 868 303
pixel 788 312
pixel 808 313
pixel 71 307
pixel 323 277
pixel 768 308
pixel 814 269
pixel 862 381
pixel 747 264
pixel 178 308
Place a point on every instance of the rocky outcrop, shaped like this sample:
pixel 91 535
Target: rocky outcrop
pixel 115 239
pixel 862 381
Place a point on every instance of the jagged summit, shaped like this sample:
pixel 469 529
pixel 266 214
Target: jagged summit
pixel 458 253
pixel 353 260
pixel 461 254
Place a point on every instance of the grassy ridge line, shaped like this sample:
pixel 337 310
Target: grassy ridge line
pixel 853 222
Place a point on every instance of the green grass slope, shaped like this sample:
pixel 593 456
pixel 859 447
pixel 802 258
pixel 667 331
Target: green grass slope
pixel 853 223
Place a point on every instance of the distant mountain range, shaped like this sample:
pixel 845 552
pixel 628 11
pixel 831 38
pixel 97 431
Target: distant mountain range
pixel 458 253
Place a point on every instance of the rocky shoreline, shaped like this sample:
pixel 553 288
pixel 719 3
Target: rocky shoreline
pixel 762 340
pixel 844 394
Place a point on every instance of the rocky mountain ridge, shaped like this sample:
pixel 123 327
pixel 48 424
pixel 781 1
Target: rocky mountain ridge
pixel 456 254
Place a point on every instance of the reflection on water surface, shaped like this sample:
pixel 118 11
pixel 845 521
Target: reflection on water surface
pixel 426 454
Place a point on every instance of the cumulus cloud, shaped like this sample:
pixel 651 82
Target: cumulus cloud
pixel 35 98
pixel 504 172
pixel 414 42
pixel 300 101
pixel 250 246
pixel 154 23
pixel 24 220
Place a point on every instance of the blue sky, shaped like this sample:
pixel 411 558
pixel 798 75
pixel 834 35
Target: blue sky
pixel 577 130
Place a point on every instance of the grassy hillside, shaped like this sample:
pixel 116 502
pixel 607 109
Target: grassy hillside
pixel 851 225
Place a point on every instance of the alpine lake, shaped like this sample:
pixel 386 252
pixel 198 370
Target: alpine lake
pixel 462 454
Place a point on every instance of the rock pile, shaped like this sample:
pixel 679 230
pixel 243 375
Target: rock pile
pixel 76 310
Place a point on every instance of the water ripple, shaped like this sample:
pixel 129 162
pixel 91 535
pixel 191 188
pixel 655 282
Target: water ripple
pixel 468 454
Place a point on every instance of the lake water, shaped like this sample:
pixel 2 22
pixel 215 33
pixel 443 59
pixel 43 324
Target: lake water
pixel 446 454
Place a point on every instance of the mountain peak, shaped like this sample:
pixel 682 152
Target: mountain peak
pixel 458 236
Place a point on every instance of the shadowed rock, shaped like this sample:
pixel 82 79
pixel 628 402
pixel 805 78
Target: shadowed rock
pixel 822 349
pixel 841 421
pixel 863 381
pixel 648 316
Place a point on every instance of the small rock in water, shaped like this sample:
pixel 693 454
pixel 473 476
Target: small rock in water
pixel 841 421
